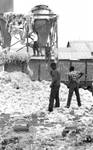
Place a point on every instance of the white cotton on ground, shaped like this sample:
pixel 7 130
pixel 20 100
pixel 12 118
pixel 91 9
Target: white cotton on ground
pixel 19 93
pixel 19 96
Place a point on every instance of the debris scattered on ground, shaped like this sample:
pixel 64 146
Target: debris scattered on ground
pixel 24 106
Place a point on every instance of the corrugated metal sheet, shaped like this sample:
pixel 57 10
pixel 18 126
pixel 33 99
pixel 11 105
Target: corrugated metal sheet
pixel 73 53
pixel 90 45
pixel 83 47
pixel 79 46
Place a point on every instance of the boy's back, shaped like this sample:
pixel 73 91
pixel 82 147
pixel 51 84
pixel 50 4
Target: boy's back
pixel 74 76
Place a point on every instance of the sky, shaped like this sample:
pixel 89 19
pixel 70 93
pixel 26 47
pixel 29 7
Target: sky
pixel 75 20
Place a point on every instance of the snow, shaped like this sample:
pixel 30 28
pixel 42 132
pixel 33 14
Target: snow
pixel 24 99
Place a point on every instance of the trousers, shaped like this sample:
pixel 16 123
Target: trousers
pixel 54 94
pixel 72 89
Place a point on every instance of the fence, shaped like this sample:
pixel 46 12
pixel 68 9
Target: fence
pixel 41 72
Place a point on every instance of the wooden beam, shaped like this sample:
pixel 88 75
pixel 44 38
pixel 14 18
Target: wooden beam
pixel 86 73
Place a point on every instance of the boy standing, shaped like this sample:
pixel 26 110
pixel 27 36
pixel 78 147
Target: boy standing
pixel 73 84
pixel 55 85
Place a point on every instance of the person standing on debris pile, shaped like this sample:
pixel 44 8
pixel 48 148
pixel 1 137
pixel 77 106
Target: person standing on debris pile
pixel 55 85
pixel 47 52
pixel 73 85
pixel 34 37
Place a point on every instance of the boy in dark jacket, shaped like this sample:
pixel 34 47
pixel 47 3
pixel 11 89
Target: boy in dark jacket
pixel 73 85
pixel 55 85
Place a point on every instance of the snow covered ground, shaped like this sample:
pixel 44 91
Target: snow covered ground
pixel 62 129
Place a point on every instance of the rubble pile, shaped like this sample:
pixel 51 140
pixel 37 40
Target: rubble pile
pixel 26 101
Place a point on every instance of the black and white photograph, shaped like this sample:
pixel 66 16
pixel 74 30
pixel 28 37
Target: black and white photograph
pixel 46 75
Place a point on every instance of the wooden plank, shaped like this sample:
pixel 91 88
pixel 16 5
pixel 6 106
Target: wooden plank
pixel 85 73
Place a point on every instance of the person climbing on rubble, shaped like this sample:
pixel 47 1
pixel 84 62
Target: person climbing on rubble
pixel 73 85
pixel 55 85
